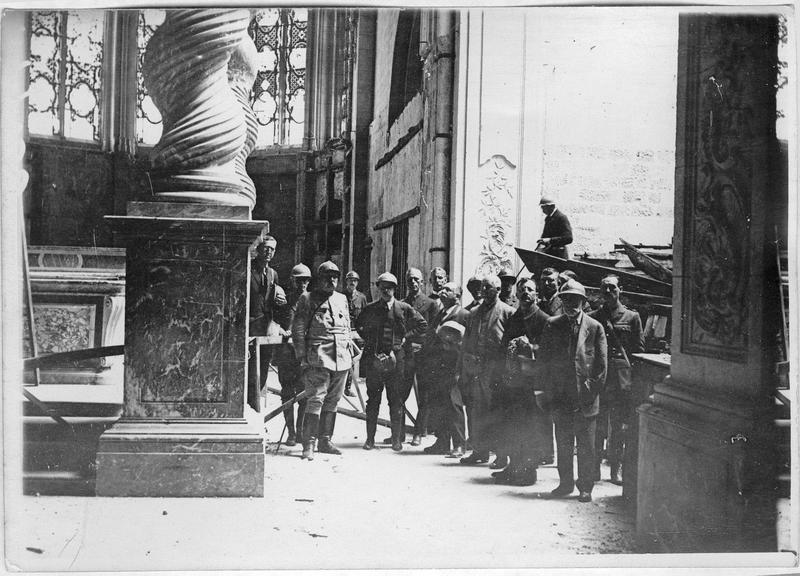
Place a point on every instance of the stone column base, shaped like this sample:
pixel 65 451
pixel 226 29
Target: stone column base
pixel 199 458
pixel 703 486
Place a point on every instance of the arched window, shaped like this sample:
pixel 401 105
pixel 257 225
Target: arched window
pixel 279 89
pixel 407 65
pixel 148 119
pixel 66 56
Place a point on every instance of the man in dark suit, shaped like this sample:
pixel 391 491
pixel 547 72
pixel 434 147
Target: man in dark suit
pixel 265 298
pixel 428 309
pixel 440 353
pixel 474 287
pixel 557 232
pixel 524 428
pixel 482 365
pixel 548 290
pixel 573 353
pixel 437 279
pixel 387 326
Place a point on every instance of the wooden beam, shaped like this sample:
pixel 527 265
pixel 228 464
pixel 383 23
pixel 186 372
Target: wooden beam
pixel 395 219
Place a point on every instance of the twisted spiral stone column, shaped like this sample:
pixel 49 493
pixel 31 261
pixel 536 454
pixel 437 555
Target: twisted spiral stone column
pixel 198 69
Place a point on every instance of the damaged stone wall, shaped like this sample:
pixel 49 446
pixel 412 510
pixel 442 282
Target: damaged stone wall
pixel 610 193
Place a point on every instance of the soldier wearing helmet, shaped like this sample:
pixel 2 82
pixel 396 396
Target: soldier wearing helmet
pixel 507 282
pixel 356 301
pixel 557 232
pixel 284 358
pixel 322 344
pixel 387 325
pixel 573 356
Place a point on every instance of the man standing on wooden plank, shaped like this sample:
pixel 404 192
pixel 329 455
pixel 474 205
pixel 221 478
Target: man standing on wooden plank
pixel 557 232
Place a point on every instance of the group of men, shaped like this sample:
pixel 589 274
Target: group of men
pixel 521 361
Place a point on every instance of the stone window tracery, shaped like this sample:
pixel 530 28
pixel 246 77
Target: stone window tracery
pixel 278 96
pixel 148 119
pixel 65 88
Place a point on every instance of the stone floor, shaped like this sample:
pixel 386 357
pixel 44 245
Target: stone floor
pixel 376 509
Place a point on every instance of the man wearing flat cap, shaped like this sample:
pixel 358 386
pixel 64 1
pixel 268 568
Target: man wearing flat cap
pixel 322 344
pixel 557 232
pixel 387 325
pixel 573 355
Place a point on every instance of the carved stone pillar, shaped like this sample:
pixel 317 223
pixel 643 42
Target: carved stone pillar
pixel 486 206
pixel 185 430
pixel 198 68
pixel 706 466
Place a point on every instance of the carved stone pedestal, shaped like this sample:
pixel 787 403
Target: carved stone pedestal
pixel 183 430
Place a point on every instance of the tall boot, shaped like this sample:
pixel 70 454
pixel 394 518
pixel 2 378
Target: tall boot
pixel 301 411
pixel 310 427
pixel 328 423
pixel 288 415
pixel 398 434
pixel 372 425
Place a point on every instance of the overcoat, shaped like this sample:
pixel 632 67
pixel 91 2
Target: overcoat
pixel 573 381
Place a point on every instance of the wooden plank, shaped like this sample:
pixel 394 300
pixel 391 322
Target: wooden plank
pixel 592 274
pixel 647 264
pixel 395 219
pixel 73 356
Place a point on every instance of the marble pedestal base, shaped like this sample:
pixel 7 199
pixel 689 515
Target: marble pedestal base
pixel 183 430
pixel 197 459
pixel 699 490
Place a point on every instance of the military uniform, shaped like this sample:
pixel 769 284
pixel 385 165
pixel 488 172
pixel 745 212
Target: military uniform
pixel 356 303
pixel 623 328
pixel 322 344
pixel 289 373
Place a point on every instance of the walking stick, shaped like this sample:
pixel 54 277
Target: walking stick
pixel 299 396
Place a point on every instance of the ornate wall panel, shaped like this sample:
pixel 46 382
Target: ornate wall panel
pixel 497 214
pixel 729 89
